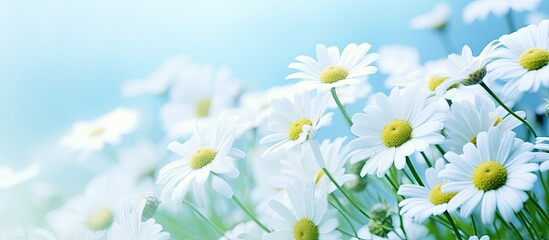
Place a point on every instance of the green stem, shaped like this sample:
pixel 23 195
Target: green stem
pixel 235 199
pixel 413 170
pixel 341 108
pixel 539 208
pixel 543 183
pixel 426 159
pixel 483 85
pixel 451 221
pixel 439 148
pixel 509 226
pixel 195 210
pixel 391 182
pixel 345 193
pixel 402 223
pixel 525 224
pixel 346 219
pixel 474 224
pixel 333 197
pixel 347 233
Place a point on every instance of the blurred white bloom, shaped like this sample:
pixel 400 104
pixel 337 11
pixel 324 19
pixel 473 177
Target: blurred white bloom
pixel 306 218
pixel 108 129
pixel 202 158
pixel 425 76
pixel 10 177
pixel 128 224
pixel 485 237
pixel 394 127
pixel 244 231
pixel 479 10
pixel 137 163
pixel 542 144
pixel 296 121
pixel 523 59
pixel 334 70
pixel 397 61
pixel 160 81
pixel 494 174
pixel 202 93
pixel 424 202
pixel 76 232
pixel 468 118
pixel 436 19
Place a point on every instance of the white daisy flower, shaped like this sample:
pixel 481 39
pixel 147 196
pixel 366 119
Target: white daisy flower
pixel 436 19
pixel 10 177
pixel 130 225
pixel 203 157
pixel 244 231
pixel 138 163
pixel 306 218
pixel 108 129
pixel 479 10
pixel 468 118
pixel 464 70
pixel 542 144
pixel 493 175
pixel 333 69
pixel 301 168
pixel 424 202
pixel 523 59
pixel 296 121
pixel 395 127
pixel 485 237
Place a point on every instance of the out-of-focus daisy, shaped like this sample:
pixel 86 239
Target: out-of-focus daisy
pixel 160 80
pixel 244 231
pixel 137 163
pixel 350 94
pixel 108 129
pixel 296 121
pixel 129 224
pixel 436 19
pixel 202 93
pixel 479 10
pixel 542 144
pixel 464 70
pixel 397 61
pixel 333 69
pixel 523 59
pixel 424 202
pixel 306 218
pixel 485 237
pixel 468 118
pixel 10 177
pixel 394 127
pixel 302 168
pixel 493 175
pixel 203 157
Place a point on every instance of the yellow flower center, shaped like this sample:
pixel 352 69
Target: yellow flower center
pixel 434 82
pixel 475 77
pixel 319 175
pixel 534 59
pixel 202 157
pixel 100 219
pixel 437 197
pixel 202 108
pixel 396 133
pixel 305 229
pixel 498 121
pixel 333 73
pixel 474 140
pixel 296 128
pixel 98 131
pixel 489 176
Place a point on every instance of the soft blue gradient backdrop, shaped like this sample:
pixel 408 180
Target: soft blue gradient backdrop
pixel 64 61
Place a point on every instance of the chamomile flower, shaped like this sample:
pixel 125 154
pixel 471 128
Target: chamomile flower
pixel 479 10
pixel 468 118
pixel 244 231
pixel 395 127
pixel 523 59
pixel 436 19
pixel 542 144
pixel 108 129
pixel 397 61
pixel 307 218
pixel 130 225
pixel 296 121
pixel 10 177
pixel 424 202
pixel 493 176
pixel 203 157
pixel 334 69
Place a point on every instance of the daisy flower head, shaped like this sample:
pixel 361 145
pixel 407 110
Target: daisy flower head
pixel 468 118
pixel 397 61
pixel 203 157
pixel 129 224
pixel 493 176
pixel 542 144
pixel 10 177
pixel 306 218
pixel 334 69
pixel 480 9
pixel 436 19
pixel 523 58
pixel 395 127
pixel 295 121
pixel 424 202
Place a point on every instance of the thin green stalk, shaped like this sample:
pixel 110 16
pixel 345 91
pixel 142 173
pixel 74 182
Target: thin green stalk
pixel 413 170
pixel 515 229
pixel 495 97
pixel 509 226
pixel 332 196
pixel 451 221
pixel 346 219
pixel 391 182
pixel 346 233
pixel 474 224
pixel 426 159
pixel 195 210
pixel 539 208
pixel 446 40
pixel 235 199
pixel 525 224
pixel 543 183
pixel 439 148
pixel 341 108
pixel 345 193
pixel 402 224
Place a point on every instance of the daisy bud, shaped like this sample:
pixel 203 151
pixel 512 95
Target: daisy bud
pixel 150 202
pixel 381 212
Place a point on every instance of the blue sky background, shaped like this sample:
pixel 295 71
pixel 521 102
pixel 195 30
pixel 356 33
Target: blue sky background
pixel 64 61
